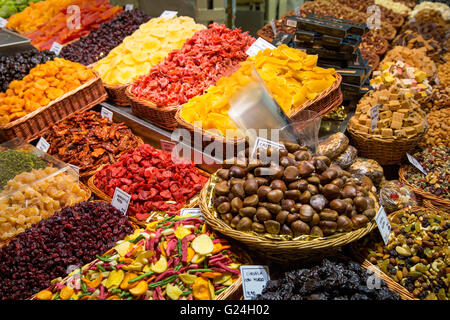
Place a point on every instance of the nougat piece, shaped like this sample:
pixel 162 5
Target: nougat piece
pixel 397 116
pixel 386 114
pixel 396 125
pixel 386 132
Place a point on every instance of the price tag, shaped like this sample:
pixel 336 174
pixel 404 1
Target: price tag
pixel 437 81
pixel 169 14
pixel 297 11
pixel 262 143
pixel 43 145
pixel 106 113
pixel 129 7
pixel 56 48
pixel 167 145
pixel 254 279
pixel 259 44
pixel 77 169
pixel 121 200
pixel 383 225
pixel 374 116
pixel 3 22
pixel 274 27
pixel 416 163
pixel 196 212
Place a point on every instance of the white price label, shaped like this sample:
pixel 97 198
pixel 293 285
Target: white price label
pixel 437 81
pixel 274 27
pixel 259 44
pixel 3 22
pixel 77 169
pixel 106 113
pixel 167 145
pixel 383 225
pixel 374 116
pixel 416 163
pixel 196 212
pixel 254 279
pixel 262 143
pixel 169 14
pixel 129 7
pixel 56 48
pixel 291 23
pixel 297 11
pixel 43 145
pixel 121 200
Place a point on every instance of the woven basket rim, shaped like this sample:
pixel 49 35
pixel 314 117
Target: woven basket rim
pixel 41 109
pixel 435 208
pixel 148 103
pixel 262 242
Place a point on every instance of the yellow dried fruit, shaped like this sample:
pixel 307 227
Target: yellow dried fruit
pixel 203 244
pixel 159 266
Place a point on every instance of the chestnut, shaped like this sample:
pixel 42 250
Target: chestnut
pixel 360 204
pixel 328 227
pixel 331 191
pixel 299 228
pixel 263 191
pixel 290 173
pixel 224 207
pixel 278 184
pixel 305 168
pixel 359 221
pixel 318 202
pixel 223 174
pixel 306 213
pixel 237 172
pixel 238 190
pixel 328 214
pixel 258 227
pixel 250 187
pixel 285 230
pixel 316 232
pixel 272 227
pixel 244 224
pixel 293 194
pixel 292 217
pixel 221 188
pixel 275 196
pixel 349 191
pixel 282 216
pixel 251 201
pixel 344 224
pixel 262 214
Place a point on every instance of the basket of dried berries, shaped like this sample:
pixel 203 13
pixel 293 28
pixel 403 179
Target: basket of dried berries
pixel 288 212
pixel 416 256
pixel 433 186
pixel 173 258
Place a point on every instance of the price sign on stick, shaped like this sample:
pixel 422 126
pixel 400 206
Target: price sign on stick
pixel 129 7
pixel 56 48
pixel 196 212
pixel 274 27
pixel 121 200
pixel 374 116
pixel 259 44
pixel 262 143
pixel 43 145
pixel 3 22
pixel 169 14
pixel 384 226
pixel 254 279
pixel 167 145
pixel 106 113
pixel 416 163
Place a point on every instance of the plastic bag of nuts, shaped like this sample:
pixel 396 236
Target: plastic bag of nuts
pixel 302 197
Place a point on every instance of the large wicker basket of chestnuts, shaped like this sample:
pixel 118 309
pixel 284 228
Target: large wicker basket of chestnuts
pixel 301 207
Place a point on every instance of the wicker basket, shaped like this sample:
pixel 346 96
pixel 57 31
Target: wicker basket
pixel 386 151
pixel 33 124
pixel 277 250
pixel 163 117
pixel 435 200
pixel 116 94
pixel 86 198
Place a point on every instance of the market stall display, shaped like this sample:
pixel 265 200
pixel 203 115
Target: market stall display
pixel 73 236
pixel 17 66
pixel 175 258
pixel 443 8
pixel 417 254
pixel 438 129
pixel 152 178
pixel 89 141
pixel 11 7
pixel 155 39
pixel 100 42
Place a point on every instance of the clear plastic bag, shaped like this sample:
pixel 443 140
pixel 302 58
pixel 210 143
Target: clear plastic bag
pixel 369 168
pixel 333 146
pixel 395 196
pixel 346 158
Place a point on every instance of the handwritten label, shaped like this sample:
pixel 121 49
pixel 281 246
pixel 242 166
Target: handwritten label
pixel 3 22
pixel 416 163
pixel 196 212
pixel 167 145
pixel 254 279
pixel 383 225
pixel 297 11
pixel 56 48
pixel 374 116
pixel 121 200
pixel 262 143
pixel 274 27
pixel 169 14
pixel 259 44
pixel 106 113
pixel 291 23
pixel 129 7
pixel 43 145
pixel 77 169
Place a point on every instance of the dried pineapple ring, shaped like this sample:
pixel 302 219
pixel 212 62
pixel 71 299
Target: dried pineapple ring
pixel 203 244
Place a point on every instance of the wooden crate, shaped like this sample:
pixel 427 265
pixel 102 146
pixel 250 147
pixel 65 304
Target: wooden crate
pixel 207 11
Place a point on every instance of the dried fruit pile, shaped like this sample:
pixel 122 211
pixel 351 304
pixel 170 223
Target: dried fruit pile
pixel 177 258
pixel 145 48
pixel 188 72
pixel 36 195
pixel 11 7
pixel 277 68
pixel 153 180
pixel 44 83
pixel 100 42
pixel 417 254
pixel 17 66
pixel 330 280
pixel 73 236
pixel 436 162
pixel 89 141
pixel 36 14
pixel 58 29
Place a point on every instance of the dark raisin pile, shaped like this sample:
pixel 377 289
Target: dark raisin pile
pixel 73 236
pixel 331 280
pixel 100 42
pixel 17 66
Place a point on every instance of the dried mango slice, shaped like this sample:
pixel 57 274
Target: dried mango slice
pixel 159 266
pixel 182 232
pixel 115 278
pixel 187 278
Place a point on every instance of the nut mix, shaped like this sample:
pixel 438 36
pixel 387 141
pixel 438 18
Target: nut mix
pixel 397 7
pixel 333 279
pixel 73 236
pixel 444 73
pixel 414 40
pixel 441 97
pixel 428 30
pixel 436 162
pixel 417 255
pixel 176 258
pixel 303 197
pixel 438 129
pixel 30 197
pixel 89 141
pixel 280 26
pixel 387 15
pixel 154 181
pixel 435 6
pixel 374 43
